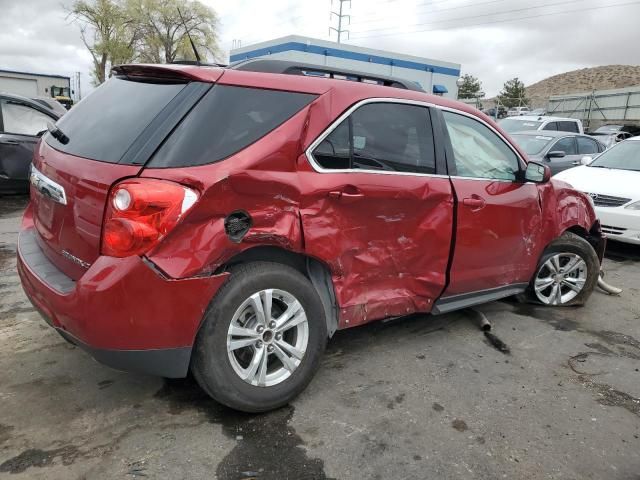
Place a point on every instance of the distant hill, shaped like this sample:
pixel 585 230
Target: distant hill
pixel 584 80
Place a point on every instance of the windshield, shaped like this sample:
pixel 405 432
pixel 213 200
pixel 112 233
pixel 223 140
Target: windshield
pixel 608 129
pixel 532 144
pixel 510 125
pixel 624 156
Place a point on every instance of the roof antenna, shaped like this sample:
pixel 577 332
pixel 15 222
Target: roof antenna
pixel 193 45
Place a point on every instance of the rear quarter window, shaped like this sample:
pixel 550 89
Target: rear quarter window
pixel 105 124
pixel 227 120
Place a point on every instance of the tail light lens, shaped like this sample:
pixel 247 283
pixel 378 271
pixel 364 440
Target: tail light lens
pixel 141 212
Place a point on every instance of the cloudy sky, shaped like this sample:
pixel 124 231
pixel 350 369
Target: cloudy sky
pixel 492 39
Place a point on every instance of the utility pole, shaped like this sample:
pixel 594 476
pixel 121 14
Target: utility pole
pixel 78 93
pixel 340 16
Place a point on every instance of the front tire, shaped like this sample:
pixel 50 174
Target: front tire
pixel 567 272
pixel 262 338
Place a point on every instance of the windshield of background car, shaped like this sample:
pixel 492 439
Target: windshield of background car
pixel 608 129
pixel 623 156
pixel 517 125
pixel 532 144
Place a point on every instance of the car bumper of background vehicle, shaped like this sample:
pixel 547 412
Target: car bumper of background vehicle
pixel 620 224
pixel 122 311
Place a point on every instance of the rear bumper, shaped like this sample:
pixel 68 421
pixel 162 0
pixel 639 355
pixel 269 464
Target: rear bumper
pixel 122 311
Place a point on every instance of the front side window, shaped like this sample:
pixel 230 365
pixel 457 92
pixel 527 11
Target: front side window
pixel 586 146
pixel 22 119
pixel 566 145
pixel 382 137
pixel 551 126
pixel 568 127
pixel 479 152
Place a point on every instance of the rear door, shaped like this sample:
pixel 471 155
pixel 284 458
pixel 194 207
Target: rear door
pixel 111 133
pixel 20 124
pixel 378 211
pixel 498 216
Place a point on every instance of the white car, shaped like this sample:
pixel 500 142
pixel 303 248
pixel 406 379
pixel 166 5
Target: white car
pixel 514 112
pixel 533 122
pixel 612 180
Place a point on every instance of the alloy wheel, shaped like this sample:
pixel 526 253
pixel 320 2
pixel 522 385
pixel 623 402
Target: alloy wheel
pixel 267 337
pixel 560 278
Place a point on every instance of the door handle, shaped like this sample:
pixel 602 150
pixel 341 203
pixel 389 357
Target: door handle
pixel 476 203
pixel 346 196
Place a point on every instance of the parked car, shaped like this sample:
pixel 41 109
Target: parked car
pixel 610 139
pixel 558 150
pixel 538 112
pixel 609 129
pixel 51 104
pixel 528 123
pixel 230 221
pixel 612 180
pixel 517 111
pixel 499 112
pixel 21 122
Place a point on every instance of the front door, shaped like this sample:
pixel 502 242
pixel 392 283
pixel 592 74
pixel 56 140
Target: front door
pixel 571 157
pixel 19 128
pixel 377 213
pixel 498 216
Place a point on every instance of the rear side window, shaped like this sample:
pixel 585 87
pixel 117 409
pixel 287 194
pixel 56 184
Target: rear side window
pixel 551 126
pixel 224 122
pixel 105 124
pixel 568 127
pixel 381 137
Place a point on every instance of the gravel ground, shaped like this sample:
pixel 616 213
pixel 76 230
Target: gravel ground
pixel 415 398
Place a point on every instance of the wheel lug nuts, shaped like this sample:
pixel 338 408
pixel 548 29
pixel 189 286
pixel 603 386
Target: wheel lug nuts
pixel 260 329
pixel 272 324
pixel 270 348
pixel 259 344
pixel 278 336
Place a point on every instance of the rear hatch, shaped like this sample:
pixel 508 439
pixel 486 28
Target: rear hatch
pixel 109 136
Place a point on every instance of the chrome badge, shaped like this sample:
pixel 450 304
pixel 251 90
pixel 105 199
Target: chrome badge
pixel 47 187
pixel 75 259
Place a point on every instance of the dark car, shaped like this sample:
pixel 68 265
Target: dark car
pixel 22 120
pixel 558 150
pixel 228 222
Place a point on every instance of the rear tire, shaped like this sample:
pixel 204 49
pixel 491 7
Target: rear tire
pixel 567 273
pixel 256 363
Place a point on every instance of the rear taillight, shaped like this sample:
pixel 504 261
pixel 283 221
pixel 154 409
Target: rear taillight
pixel 140 212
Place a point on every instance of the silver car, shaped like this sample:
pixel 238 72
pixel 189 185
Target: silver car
pixel 559 150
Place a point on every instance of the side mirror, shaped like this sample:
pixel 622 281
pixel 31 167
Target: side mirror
pixel 586 160
pixel 537 173
pixel 556 154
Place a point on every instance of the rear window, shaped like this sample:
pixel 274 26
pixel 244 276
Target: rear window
pixel 511 125
pixel 224 122
pixel 105 124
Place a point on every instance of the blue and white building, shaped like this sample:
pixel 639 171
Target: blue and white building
pixel 434 76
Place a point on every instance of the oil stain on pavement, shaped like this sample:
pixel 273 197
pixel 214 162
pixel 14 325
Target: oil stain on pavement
pixel 267 447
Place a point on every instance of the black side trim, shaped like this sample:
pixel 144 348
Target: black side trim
pixel 464 300
pixel 35 259
pixel 154 134
pixel 168 363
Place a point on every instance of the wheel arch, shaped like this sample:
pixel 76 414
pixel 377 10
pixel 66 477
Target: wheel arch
pixel 316 271
pixel 594 236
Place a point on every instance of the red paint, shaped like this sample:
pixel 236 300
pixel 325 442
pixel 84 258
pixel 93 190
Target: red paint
pixel 386 239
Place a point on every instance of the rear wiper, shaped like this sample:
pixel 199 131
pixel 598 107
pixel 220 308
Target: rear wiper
pixel 57 133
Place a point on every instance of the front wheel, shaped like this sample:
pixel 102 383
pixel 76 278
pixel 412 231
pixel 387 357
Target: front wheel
pixel 567 273
pixel 262 338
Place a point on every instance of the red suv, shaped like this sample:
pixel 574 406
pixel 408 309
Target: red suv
pixel 228 222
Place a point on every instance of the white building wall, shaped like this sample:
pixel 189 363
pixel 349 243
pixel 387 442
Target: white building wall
pixel 25 83
pixel 426 72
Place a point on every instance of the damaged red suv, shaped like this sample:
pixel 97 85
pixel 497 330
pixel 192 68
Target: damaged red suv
pixel 228 221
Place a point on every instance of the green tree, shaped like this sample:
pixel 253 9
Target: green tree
pixel 108 32
pixel 165 38
pixel 513 94
pixel 471 87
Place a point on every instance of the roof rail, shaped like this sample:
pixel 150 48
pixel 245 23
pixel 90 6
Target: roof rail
pixel 310 70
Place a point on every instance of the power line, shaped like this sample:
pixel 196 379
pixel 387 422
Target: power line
pixel 496 21
pixel 564 2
